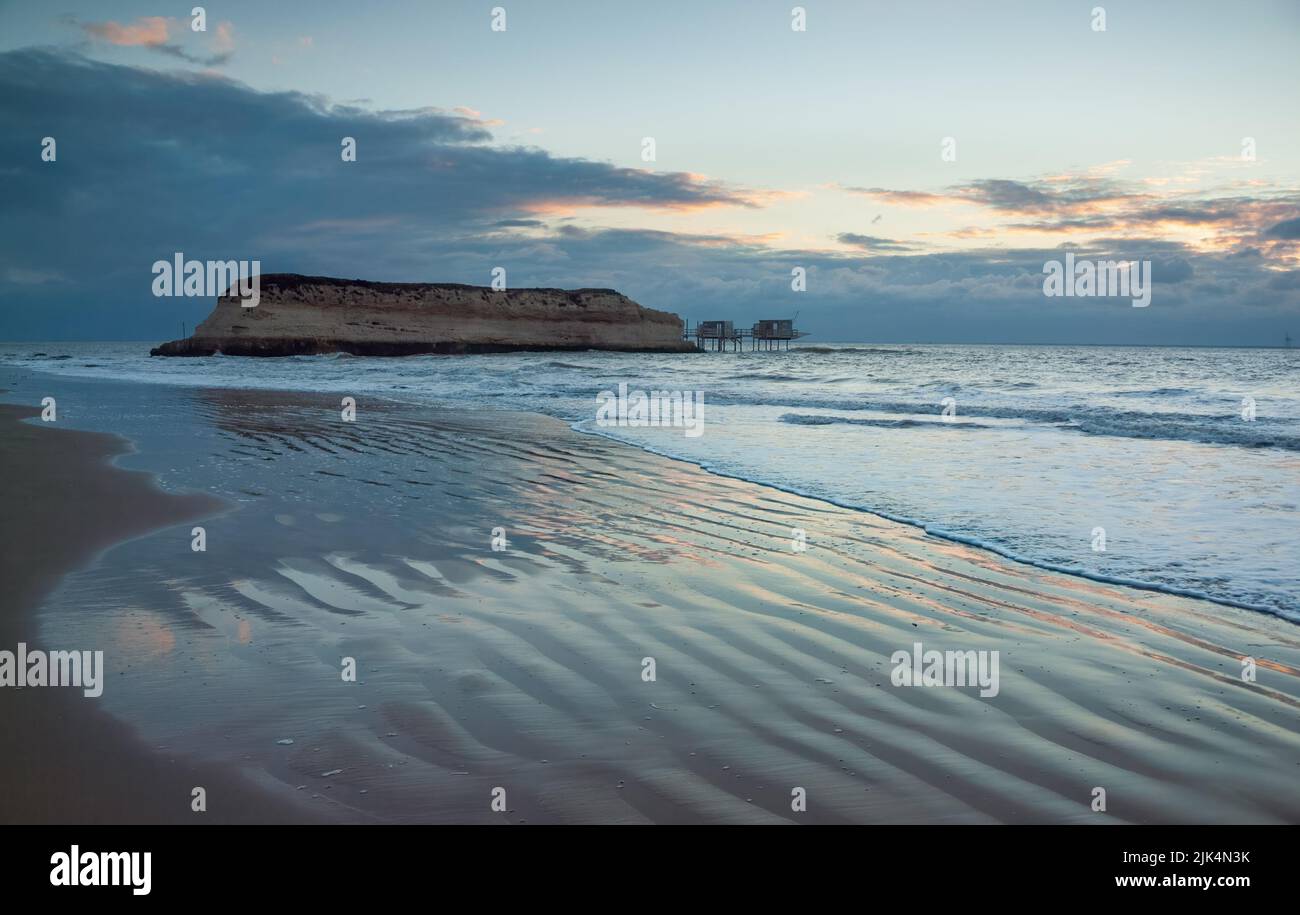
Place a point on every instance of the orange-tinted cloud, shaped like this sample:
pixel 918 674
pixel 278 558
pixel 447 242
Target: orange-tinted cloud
pixel 155 32
pixel 567 206
pixel 900 198
pixel 146 31
pixel 224 42
pixel 1075 207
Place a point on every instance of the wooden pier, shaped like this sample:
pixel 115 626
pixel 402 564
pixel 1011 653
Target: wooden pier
pixel 767 334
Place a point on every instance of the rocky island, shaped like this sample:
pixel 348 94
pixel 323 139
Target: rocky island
pixel 305 315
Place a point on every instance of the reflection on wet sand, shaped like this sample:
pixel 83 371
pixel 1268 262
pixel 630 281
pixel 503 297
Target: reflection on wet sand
pixel 522 668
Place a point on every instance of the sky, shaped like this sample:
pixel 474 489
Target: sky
pixel 920 162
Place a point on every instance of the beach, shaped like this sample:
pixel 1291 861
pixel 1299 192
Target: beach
pixel 523 668
pixel 65 761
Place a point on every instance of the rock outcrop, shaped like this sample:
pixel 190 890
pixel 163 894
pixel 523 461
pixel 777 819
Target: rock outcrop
pixel 304 315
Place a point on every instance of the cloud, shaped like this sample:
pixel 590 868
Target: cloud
pixel 224 42
pixel 148 31
pixel 211 60
pixel 900 198
pixel 1092 204
pixel 987 295
pixel 151 163
pixel 153 32
pixel 1010 195
pixel 1060 194
pixel 870 242
pixel 1288 229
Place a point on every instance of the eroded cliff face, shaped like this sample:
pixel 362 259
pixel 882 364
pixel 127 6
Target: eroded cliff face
pixel 304 315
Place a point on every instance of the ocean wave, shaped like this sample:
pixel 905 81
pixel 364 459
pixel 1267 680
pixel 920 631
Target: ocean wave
pixel 765 376
pixel 557 393
pixel 1155 392
pixel 1277 609
pixel 1206 429
pixel 812 419
pixel 847 350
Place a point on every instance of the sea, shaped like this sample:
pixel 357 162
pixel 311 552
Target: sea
pixel 1170 469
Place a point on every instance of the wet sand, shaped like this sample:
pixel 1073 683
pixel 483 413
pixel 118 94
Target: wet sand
pixel 65 760
pixel 522 669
